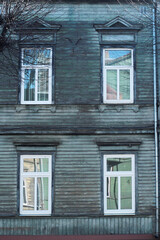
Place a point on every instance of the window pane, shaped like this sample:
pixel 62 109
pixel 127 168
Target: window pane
pixel 29 85
pixel 118 58
pixel 42 164
pixel 124 82
pixel 37 56
pixel 28 191
pixel 119 164
pixel 42 193
pixel 126 193
pixel 43 75
pixel 35 165
pixel 24 193
pixel 29 165
pixel 112 191
pixel 111 84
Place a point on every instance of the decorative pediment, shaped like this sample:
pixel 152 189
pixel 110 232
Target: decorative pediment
pixel 118 23
pixel 38 24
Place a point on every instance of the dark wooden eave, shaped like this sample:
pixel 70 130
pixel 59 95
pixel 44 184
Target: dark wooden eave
pixel 44 130
pixel 129 144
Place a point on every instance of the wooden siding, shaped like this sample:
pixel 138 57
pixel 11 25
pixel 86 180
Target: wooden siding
pixel 78 58
pixel 77 202
pixel 81 116
pixel 76 226
pixel 78 173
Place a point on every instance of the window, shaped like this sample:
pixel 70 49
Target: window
pixel 35 184
pixel 36 76
pixel 119 184
pixel 118 76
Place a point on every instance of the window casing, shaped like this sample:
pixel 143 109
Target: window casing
pixel 117 75
pixel 35 184
pixel 119 184
pixel 36 75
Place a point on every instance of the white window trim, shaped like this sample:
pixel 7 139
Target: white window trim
pixel 105 100
pixel 36 175
pixel 119 174
pixel 23 67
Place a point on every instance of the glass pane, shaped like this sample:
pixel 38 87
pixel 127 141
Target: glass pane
pixel 43 75
pixel 29 85
pixel 42 193
pixel 35 165
pixel 119 164
pixel 24 193
pixel 111 84
pixel 28 192
pixel 118 58
pixel 112 191
pixel 124 84
pixel 126 193
pixel 42 164
pixel 37 56
pixel 29 165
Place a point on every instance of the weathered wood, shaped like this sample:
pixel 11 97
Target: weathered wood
pixel 78 120
pixel 76 226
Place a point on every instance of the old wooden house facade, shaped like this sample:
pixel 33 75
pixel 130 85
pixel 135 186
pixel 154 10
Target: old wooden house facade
pixel 77 133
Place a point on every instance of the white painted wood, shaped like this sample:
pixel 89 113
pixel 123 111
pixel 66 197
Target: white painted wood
pixel 35 175
pixel 36 67
pixel 118 68
pixel 119 174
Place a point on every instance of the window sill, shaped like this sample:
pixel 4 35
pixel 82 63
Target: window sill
pixel 36 108
pixel 118 214
pixel 118 107
pixel 35 215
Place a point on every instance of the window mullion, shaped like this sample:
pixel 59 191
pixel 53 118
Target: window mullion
pixel 105 83
pixel 21 193
pixel 36 83
pixel 119 193
pixel 35 195
pixel 133 193
pixel 117 84
pixel 22 84
pixel 50 84
pixel 131 83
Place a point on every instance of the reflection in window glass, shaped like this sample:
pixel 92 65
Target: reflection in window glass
pixel 43 77
pixel 112 200
pixel 35 165
pixel 126 193
pixel 36 56
pixel 119 164
pixel 29 192
pixel 29 85
pixel 124 84
pixel 24 193
pixel 118 58
pixel 111 84
pixel 29 165
pixel 42 193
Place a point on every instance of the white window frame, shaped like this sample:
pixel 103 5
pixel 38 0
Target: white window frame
pixel 35 175
pixel 119 174
pixel 118 68
pixel 36 67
